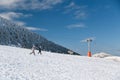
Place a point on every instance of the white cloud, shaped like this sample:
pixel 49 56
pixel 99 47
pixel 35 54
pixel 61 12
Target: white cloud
pixel 8 3
pixel 80 25
pixel 13 15
pixel 79 12
pixel 10 15
pixel 36 29
pixel 72 5
pixel 29 4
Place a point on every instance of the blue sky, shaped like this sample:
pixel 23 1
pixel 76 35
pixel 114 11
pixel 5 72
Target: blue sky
pixel 68 22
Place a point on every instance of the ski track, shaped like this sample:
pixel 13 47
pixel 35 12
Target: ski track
pixel 18 64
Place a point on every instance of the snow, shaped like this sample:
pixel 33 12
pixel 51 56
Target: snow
pixel 101 55
pixel 114 58
pixel 18 64
pixel 107 56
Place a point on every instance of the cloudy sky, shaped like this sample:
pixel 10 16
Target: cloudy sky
pixel 69 22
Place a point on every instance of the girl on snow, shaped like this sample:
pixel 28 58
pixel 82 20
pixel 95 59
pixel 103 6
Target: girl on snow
pixel 33 50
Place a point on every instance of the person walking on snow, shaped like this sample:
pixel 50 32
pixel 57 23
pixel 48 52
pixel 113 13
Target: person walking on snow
pixel 33 50
pixel 39 49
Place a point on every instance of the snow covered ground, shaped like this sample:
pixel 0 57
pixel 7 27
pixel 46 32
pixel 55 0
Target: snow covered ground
pixel 106 56
pixel 101 55
pixel 17 64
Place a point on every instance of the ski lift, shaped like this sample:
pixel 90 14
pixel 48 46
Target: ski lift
pixel 89 40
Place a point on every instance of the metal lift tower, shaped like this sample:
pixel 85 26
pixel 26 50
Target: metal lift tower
pixel 89 40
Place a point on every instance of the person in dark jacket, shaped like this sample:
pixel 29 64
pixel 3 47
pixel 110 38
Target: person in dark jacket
pixel 39 49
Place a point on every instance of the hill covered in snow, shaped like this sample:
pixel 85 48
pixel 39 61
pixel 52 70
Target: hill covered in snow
pixel 101 55
pixel 13 34
pixel 107 56
pixel 18 64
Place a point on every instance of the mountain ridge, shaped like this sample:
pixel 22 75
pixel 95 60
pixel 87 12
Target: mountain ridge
pixel 14 34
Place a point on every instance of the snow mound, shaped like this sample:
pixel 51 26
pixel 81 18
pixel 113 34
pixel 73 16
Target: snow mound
pixel 18 64
pixel 114 58
pixel 101 55
pixel 107 56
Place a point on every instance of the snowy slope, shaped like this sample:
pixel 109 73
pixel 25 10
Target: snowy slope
pixel 13 34
pixel 17 64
